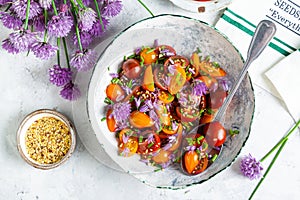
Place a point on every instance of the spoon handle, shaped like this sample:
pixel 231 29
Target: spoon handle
pixel 264 32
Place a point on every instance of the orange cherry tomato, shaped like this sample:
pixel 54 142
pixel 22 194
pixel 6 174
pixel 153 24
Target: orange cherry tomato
pixel 163 156
pixel 208 80
pixel 130 146
pixel 193 164
pixel 162 112
pixel 148 55
pixel 159 79
pixel 169 130
pixel 148 83
pixel 110 121
pixel 114 92
pixel 207 68
pixel 165 96
pixel 177 61
pixel 177 80
pixel 131 68
pixel 178 140
pixel 140 120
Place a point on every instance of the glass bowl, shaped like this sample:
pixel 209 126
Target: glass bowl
pixel 185 35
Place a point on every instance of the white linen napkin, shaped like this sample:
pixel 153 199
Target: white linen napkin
pixel 285 78
pixel 239 21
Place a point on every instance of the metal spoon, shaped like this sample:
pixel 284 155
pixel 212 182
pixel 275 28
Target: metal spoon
pixel 263 34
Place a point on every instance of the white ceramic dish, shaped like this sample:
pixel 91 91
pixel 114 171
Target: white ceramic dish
pixel 202 6
pixel 185 35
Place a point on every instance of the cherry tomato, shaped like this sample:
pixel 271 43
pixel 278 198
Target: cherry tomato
pixel 178 140
pixel 193 164
pixel 177 80
pixel 162 156
pixel 130 146
pixel 206 118
pixel 165 96
pixel 131 68
pixel 168 129
pixel 149 147
pixel 165 51
pixel 162 112
pixel 148 83
pixel 216 99
pixel 140 120
pixel 215 133
pixel 110 121
pixel 185 115
pixel 148 55
pixel 114 92
pixel 207 68
pixel 159 79
pixel 179 61
pixel 208 80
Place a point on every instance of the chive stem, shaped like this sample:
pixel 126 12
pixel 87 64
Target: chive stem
pixel 27 15
pixel 46 20
pixel 281 141
pixel 66 52
pixel 58 51
pixel 76 26
pixel 54 8
pixel 146 8
pixel 269 167
pixel 99 14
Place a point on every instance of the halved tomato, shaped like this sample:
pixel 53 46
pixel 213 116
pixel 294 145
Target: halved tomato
pixel 177 80
pixel 149 147
pixel 148 55
pixel 177 61
pixel 130 146
pixel 165 51
pixel 186 115
pixel 160 79
pixel 165 96
pixel 148 82
pixel 140 120
pixel 114 92
pixel 131 68
pixel 193 163
pixel 110 121
pixel 207 68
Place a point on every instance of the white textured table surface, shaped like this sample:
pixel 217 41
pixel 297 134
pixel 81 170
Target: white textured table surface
pixel 24 88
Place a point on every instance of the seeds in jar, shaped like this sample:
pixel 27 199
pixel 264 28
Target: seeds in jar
pixel 47 140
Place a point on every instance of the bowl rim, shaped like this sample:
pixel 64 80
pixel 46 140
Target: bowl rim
pixel 48 113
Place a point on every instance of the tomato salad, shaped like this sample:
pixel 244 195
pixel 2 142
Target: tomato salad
pixel 157 98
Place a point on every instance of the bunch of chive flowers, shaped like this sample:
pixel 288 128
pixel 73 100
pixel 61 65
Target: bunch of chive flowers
pixel 42 27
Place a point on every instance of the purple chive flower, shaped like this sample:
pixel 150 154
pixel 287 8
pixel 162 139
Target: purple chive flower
pixel 190 148
pixel 137 50
pixel 114 75
pixel 86 39
pixel 20 6
pixel 43 50
pixel 45 3
pixel 121 111
pixel 86 19
pixel 199 88
pixel 250 167
pixel 10 21
pixel 155 118
pixel 166 52
pixel 9 47
pixel 127 89
pixel 224 82
pixel 125 138
pixel 70 91
pixel 191 71
pixel 22 40
pixel 83 60
pixel 125 152
pixel 156 43
pixel 3 2
pixel 172 69
pixel 39 23
pixel 150 139
pixel 137 102
pixel 97 29
pixel 60 25
pixel 86 2
pixel 63 8
pixel 59 76
pixel 111 8
pixel 144 108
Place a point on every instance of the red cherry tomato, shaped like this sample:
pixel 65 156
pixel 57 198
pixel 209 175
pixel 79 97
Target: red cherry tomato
pixel 165 51
pixel 159 79
pixel 148 147
pixel 131 68
pixel 215 133
pixel 217 98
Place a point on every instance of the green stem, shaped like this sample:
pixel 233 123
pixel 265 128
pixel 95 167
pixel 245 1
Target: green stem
pixel 8 7
pixel 281 141
pixel 146 8
pixel 27 15
pixel 58 51
pixel 46 20
pixel 76 27
pixel 66 52
pixel 269 167
pixel 99 14
pixel 54 8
